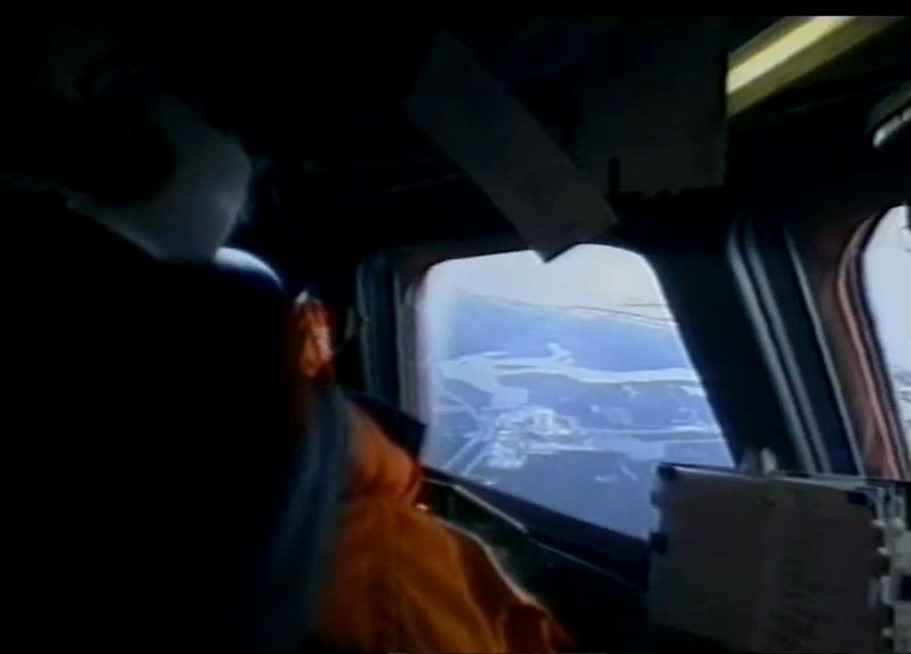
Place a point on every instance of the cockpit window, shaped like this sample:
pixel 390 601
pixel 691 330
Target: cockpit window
pixel 887 285
pixel 562 383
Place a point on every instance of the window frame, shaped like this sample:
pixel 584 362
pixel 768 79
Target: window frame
pixel 818 176
pixel 659 229
pixel 830 253
pixel 406 282
pixel 414 265
pixel 790 330
pixel 853 276
pixel 393 276
pixel 406 268
pixel 873 368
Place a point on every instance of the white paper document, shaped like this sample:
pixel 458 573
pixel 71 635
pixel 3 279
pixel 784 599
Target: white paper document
pixel 778 564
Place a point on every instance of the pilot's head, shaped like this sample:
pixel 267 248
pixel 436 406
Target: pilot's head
pixel 92 118
pixel 313 326
pixel 326 326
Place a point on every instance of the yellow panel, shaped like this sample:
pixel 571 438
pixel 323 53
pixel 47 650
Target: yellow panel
pixel 791 50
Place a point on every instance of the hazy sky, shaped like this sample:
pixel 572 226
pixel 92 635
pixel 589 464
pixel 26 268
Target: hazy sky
pixel 887 266
pixel 597 276
pixel 607 277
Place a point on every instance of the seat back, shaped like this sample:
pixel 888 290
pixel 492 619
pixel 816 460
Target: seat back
pixel 154 454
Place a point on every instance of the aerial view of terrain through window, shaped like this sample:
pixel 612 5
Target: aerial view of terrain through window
pixel 563 383
pixel 887 282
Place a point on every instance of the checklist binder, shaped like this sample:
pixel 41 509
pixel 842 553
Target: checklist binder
pixel 781 563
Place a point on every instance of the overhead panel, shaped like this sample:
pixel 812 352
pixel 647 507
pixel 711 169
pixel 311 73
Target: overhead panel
pixel 651 109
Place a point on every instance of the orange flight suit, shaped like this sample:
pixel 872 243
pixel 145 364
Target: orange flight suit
pixel 405 581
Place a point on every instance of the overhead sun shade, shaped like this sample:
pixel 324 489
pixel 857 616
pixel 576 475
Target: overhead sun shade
pixel 499 143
